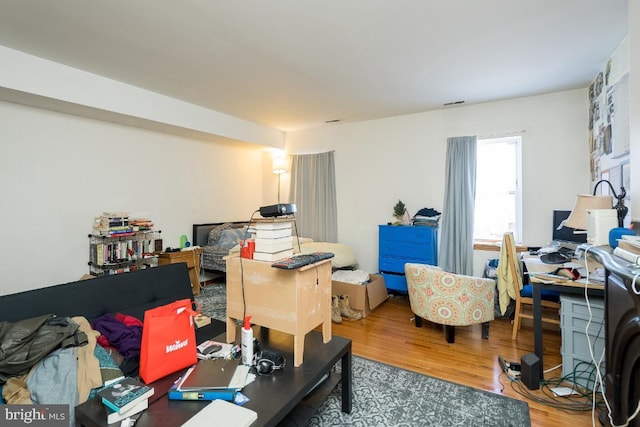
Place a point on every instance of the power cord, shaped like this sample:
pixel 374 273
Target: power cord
pixel 599 380
pixel 246 235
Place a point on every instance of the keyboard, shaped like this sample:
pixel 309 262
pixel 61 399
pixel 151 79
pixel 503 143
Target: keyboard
pixel 301 260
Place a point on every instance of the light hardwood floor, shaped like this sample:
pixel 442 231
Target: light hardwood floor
pixel 389 335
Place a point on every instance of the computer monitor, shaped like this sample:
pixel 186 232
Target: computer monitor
pixel 566 234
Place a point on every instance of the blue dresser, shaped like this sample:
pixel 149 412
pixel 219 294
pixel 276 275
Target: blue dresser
pixel 399 244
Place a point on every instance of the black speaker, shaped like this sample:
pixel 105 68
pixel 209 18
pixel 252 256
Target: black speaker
pixel 530 371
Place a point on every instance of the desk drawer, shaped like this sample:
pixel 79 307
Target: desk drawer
pixel 576 307
pixel 577 346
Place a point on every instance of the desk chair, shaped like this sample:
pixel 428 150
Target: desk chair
pixel 523 295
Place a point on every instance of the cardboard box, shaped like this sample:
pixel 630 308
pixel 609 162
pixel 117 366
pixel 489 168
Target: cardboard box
pixel 362 298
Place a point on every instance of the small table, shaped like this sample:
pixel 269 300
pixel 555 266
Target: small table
pixel 192 258
pixel 292 301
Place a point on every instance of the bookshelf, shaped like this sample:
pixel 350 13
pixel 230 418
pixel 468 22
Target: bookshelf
pixel 119 244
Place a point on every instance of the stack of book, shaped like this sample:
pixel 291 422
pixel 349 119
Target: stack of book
pixel 125 398
pixel 210 379
pixel 112 224
pixel 274 240
pixel 141 224
pixel 630 243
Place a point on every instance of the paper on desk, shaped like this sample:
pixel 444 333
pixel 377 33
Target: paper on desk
pixel 224 413
pixel 548 279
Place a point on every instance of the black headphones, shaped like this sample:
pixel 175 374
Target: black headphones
pixel 268 361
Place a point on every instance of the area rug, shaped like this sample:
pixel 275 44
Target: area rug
pixel 213 301
pixel 385 395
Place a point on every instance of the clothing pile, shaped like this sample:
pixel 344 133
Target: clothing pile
pixel 427 216
pixel 62 360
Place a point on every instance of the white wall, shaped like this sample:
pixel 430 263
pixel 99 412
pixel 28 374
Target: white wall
pixel 59 171
pixel 381 161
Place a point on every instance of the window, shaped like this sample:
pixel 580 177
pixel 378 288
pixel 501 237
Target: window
pixel 498 207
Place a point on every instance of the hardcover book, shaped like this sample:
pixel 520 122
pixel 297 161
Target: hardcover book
pixel 272 224
pixel 125 394
pixel 273 245
pixel 211 374
pixel 273 234
pixel 228 394
pixel 263 256
pixel 114 417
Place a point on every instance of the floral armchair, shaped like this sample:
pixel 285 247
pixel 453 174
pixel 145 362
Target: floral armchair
pixel 450 299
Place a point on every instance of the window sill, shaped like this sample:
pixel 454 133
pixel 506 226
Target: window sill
pixel 494 245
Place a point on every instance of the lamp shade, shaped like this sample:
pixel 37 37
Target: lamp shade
pixel 279 165
pixel 578 217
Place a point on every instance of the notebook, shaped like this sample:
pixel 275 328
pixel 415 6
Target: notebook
pixel 221 412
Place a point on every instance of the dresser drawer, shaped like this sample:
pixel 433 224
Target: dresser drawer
pixel 396 265
pixel 395 282
pixel 401 244
pixel 407 234
pixel 415 250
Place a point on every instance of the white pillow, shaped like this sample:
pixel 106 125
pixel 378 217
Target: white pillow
pixel 344 256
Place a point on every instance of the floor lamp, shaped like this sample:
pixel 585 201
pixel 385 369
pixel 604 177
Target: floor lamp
pixel 279 166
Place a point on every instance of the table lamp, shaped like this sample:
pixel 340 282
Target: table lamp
pixel 578 217
pixel 598 216
pixel 279 166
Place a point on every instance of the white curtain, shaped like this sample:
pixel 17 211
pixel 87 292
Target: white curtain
pixel 313 190
pixel 456 242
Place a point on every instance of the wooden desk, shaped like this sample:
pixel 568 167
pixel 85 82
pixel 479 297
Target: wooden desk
pixel 291 301
pixel 192 258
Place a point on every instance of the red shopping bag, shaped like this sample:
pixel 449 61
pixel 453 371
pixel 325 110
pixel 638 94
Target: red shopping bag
pixel 168 340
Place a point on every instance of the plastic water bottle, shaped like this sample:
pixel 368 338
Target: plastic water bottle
pixel 247 342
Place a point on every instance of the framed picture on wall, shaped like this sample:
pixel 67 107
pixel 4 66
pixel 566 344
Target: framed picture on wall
pixel 626 178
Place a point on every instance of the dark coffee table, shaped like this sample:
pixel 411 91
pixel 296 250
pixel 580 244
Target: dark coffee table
pixel 273 397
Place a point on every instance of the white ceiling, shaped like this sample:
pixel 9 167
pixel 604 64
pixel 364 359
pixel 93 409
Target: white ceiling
pixel 294 64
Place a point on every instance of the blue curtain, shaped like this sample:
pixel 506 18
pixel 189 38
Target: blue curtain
pixel 456 242
pixel 313 189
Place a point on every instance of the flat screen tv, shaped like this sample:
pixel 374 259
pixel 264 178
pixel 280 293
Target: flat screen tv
pixel 566 234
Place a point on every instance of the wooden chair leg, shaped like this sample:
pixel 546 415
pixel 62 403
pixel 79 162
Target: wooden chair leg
pixel 485 330
pixel 418 321
pixel 516 321
pixel 450 333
